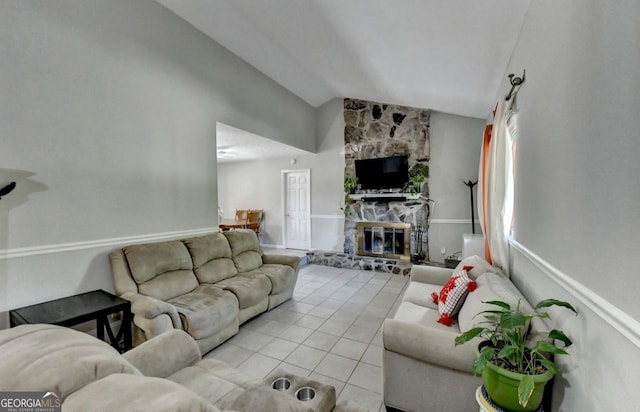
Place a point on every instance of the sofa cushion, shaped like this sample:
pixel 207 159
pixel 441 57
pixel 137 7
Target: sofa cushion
pixel 147 261
pixel 245 248
pixel 247 261
pixel 215 381
pixel 169 285
pixel 250 289
pixel 206 310
pixel 420 294
pixel 282 277
pixel 414 332
pixel 54 358
pixel 211 256
pixel 491 286
pixel 453 294
pixel 161 270
pixel 136 393
pixel 480 266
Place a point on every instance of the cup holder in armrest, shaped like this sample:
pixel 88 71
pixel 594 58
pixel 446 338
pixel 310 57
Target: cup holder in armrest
pixel 281 384
pixel 306 393
pixel 292 393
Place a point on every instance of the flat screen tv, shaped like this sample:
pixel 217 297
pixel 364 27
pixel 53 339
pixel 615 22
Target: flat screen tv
pixel 383 173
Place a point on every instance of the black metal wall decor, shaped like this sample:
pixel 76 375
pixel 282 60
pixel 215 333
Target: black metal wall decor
pixel 515 82
pixel 7 189
pixel 471 184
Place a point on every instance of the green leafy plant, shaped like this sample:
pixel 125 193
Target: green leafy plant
pixel 414 185
pixel 350 186
pixel 506 331
pixel 417 176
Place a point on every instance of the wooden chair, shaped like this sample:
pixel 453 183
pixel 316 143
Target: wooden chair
pixel 254 218
pixel 242 216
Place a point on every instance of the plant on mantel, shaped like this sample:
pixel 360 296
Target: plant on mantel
pixel 418 176
pixel 350 186
pixel 504 354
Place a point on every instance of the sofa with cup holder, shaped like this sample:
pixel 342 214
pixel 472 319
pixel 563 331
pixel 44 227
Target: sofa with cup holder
pixel 165 373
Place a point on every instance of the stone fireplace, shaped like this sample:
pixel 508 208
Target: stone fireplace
pixel 412 214
pixel 374 130
pixel 389 240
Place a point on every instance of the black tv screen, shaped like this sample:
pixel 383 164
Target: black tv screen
pixel 382 173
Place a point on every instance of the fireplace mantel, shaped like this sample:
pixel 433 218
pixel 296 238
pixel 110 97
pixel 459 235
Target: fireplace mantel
pixel 385 197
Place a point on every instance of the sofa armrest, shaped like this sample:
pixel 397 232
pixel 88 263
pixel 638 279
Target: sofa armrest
pixel 122 278
pixel 150 308
pixel 165 354
pixel 292 261
pixel 123 392
pixel 433 344
pixel 430 274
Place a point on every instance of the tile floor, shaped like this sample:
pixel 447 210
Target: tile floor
pixel 330 331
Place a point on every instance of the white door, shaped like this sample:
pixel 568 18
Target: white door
pixel 297 209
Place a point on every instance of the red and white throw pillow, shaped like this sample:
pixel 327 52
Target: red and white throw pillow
pixel 453 294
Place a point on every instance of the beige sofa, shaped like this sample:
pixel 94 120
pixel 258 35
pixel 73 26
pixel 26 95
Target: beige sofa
pixel 423 370
pixel 206 286
pixel 165 373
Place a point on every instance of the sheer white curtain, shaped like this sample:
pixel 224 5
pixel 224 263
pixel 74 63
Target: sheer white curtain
pixel 496 178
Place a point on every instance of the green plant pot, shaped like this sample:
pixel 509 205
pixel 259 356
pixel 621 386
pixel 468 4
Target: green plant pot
pixel 502 387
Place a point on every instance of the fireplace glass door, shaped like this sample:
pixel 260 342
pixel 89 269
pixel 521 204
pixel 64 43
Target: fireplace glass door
pixel 383 239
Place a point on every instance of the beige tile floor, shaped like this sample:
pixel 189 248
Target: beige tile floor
pixel 330 331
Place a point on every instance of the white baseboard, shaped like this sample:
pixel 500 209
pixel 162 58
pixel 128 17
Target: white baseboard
pixel 619 320
pixel 266 245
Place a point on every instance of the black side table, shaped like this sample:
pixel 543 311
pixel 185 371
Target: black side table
pixel 95 305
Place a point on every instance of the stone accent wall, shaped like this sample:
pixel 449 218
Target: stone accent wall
pixel 374 130
pixel 414 212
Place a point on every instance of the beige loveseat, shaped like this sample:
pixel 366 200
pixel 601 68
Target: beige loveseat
pixel 423 370
pixel 165 373
pixel 206 285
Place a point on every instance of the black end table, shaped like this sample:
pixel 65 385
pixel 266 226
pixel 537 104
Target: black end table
pixel 95 305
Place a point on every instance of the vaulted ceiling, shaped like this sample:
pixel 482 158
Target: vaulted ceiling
pixel 448 56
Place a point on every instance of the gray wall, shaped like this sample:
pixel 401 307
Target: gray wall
pixel 263 184
pixel 455 152
pixel 577 192
pixel 107 121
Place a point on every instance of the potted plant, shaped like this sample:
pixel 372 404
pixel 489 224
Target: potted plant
pixel 414 186
pixel 350 186
pixel 417 176
pixel 513 373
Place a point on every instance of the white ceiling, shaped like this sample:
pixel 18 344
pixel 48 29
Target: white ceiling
pixel 235 145
pixel 448 56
